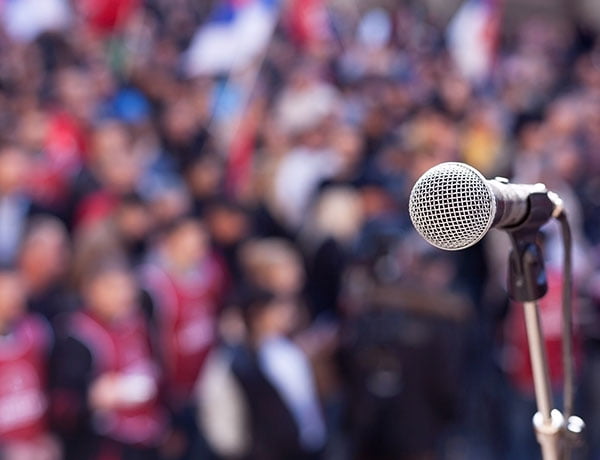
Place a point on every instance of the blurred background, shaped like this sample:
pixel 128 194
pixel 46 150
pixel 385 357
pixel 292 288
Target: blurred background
pixel 205 249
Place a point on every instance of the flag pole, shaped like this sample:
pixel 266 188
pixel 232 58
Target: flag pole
pixel 247 118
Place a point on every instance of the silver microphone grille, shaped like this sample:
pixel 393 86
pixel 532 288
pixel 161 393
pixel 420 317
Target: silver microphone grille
pixel 452 206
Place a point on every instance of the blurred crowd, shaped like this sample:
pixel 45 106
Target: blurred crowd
pixel 223 266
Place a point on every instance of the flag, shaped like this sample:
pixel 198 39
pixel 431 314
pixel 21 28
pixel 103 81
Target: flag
pixel 240 157
pixel 24 20
pixel 236 32
pixel 106 16
pixel 472 36
pixel 308 22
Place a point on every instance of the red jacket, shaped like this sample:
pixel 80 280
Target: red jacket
pixel 23 361
pixel 123 349
pixel 185 312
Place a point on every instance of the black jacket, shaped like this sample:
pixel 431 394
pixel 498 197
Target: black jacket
pixel 274 432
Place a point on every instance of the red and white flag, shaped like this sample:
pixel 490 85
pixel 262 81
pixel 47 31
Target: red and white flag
pixel 472 37
pixel 236 32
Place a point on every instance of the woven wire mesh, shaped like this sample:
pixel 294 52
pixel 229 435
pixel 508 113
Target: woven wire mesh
pixel 452 206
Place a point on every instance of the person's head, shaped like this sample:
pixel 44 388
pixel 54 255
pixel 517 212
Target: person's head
pixel 109 290
pixel 455 93
pixel 227 222
pixel 347 144
pixel 437 271
pixel 273 264
pixel 267 315
pixel 169 203
pixel 563 116
pixel 528 133
pixel 132 218
pixel 339 213
pixel 13 168
pixel 75 92
pixel 376 199
pixel 109 138
pixel 44 252
pixel 185 243
pixel 12 298
pixel 204 176
pixel 180 120
pixel 32 130
pixel 115 162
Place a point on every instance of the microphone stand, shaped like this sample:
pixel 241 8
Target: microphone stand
pixel 527 284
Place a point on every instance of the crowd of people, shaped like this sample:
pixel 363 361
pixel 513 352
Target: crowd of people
pixel 223 266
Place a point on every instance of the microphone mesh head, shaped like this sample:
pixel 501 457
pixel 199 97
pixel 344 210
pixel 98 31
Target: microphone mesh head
pixel 452 206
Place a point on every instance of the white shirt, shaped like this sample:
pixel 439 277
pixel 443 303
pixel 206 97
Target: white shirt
pixel 296 179
pixel 289 371
pixel 13 211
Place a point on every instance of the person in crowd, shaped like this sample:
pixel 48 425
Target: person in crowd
pixel 259 402
pixel 185 283
pixel 229 224
pixel 44 259
pixel 329 243
pixel 402 398
pixel 113 170
pixel 208 183
pixel 105 380
pixel 15 204
pixel 123 233
pixel 204 176
pixel 305 109
pixel 273 264
pixel 25 341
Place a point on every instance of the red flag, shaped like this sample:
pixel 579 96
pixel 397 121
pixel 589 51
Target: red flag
pixel 241 152
pixel 308 22
pixel 107 15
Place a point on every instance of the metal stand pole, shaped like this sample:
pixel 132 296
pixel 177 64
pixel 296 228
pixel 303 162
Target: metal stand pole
pixel 548 423
pixel 527 283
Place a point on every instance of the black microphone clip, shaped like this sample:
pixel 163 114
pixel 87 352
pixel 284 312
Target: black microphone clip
pixel 527 281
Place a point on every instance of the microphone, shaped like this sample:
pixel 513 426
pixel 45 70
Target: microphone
pixel 453 206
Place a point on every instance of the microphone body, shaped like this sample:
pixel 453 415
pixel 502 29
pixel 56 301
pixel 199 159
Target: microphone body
pixel 453 206
pixel 512 201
